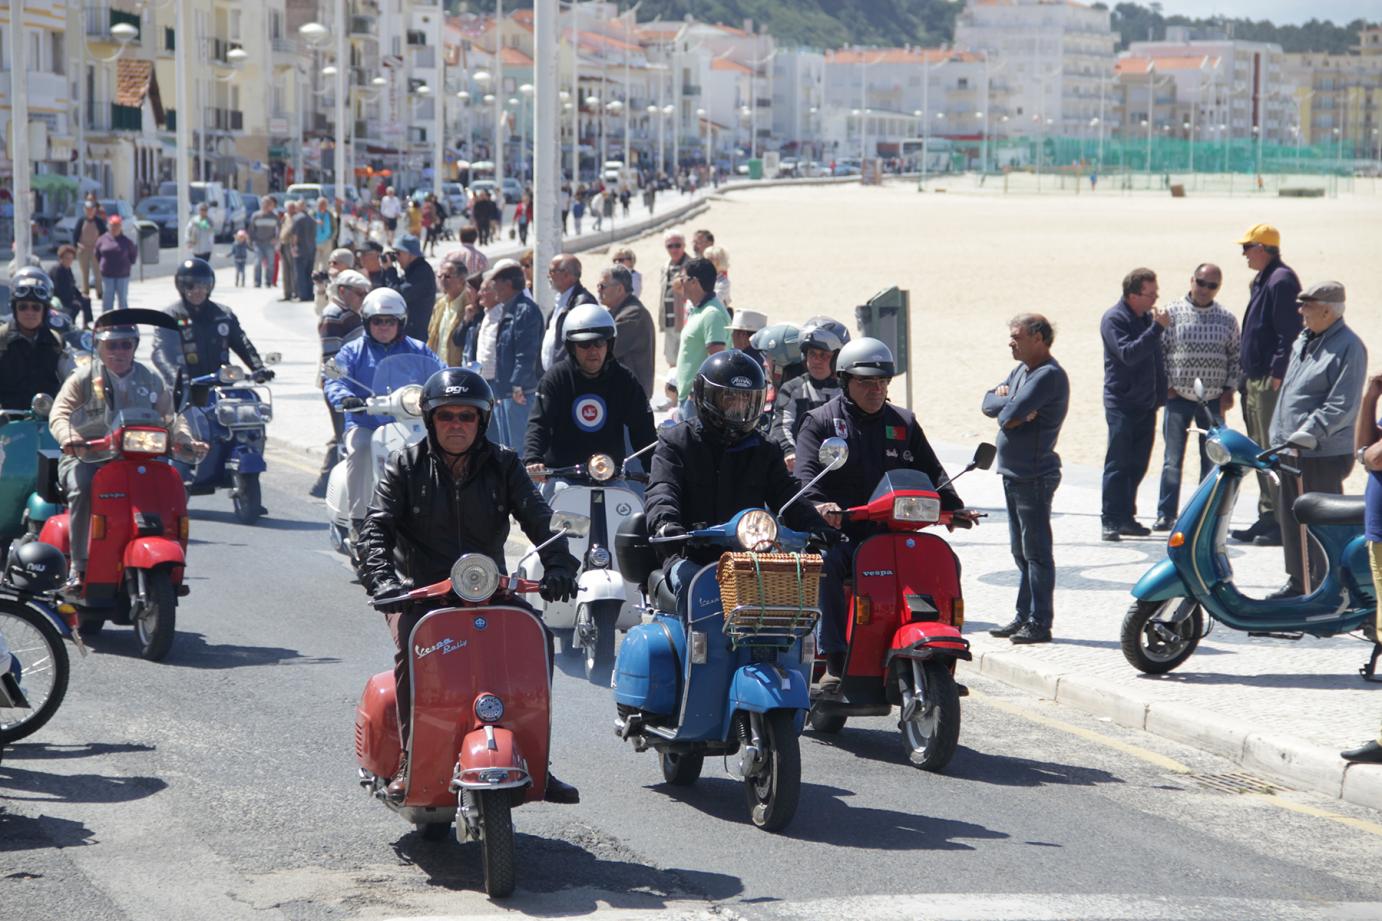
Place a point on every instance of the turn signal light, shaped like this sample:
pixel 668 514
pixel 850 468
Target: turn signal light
pixel 957 612
pixel 182 528
pixel 1176 539
pixel 98 527
pixel 863 610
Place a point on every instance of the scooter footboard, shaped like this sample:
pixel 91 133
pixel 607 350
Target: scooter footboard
pixel 490 759
pixel 760 687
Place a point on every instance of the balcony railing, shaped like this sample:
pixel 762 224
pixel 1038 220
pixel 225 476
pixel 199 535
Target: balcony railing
pixel 126 118
pixel 283 46
pixel 101 17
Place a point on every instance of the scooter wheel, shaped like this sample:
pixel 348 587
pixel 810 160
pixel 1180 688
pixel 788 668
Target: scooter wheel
pixel 681 770
pixel 1152 642
pixel 773 793
pixel 828 723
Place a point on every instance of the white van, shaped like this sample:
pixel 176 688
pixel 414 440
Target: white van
pixel 226 211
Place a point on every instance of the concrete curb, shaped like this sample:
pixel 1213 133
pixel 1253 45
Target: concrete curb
pixel 1302 764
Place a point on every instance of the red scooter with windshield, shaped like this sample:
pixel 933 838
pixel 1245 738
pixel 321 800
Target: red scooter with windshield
pixel 482 715
pixel 905 611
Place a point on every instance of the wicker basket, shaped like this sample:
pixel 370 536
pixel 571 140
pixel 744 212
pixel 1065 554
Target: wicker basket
pixel 769 593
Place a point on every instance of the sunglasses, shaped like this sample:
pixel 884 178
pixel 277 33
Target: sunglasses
pixel 676 246
pixel 1207 285
pixel 588 345
pixel 117 345
pixel 450 417
pixel 36 308
pixel 384 321
pixel 1249 247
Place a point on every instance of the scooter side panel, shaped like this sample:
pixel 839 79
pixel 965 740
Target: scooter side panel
pixel 57 532
pixel 648 666
pixel 1357 572
pixel 456 655
pixel 376 727
pixel 888 568
pixel 705 687
pixel 112 498
pixel 19 444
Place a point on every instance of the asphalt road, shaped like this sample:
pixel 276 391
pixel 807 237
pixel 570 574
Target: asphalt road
pixel 220 784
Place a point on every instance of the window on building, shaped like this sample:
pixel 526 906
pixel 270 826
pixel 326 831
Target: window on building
pixel 58 46
pixel 169 39
pixel 235 25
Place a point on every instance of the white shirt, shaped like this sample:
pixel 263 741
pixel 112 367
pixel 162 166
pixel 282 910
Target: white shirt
pixel 550 346
pixel 389 206
pixel 487 342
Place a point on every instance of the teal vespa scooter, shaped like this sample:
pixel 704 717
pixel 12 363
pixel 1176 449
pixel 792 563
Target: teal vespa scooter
pixel 1167 620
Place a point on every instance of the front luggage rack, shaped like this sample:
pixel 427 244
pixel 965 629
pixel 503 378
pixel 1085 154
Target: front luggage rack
pixel 769 599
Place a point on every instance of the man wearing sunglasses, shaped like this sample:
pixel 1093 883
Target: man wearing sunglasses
pixel 30 350
pixel 673 299
pixel 207 331
pixel 1201 343
pixel 1270 327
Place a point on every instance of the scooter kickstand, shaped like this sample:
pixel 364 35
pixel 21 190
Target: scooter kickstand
pixel 1369 671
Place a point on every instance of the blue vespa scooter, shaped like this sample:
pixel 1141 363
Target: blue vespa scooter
pixel 731 674
pixel 233 421
pixel 1166 621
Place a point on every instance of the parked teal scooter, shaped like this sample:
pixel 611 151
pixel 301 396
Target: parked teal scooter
pixel 1165 624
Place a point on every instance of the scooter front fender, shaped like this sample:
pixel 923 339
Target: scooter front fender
pixel 1160 583
pixel 149 552
pixel 490 760
pixel 927 640
pixel 600 585
pixel 760 687
pixel 245 459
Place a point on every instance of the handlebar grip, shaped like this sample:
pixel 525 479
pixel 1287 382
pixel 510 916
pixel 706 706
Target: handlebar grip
pixel 1287 468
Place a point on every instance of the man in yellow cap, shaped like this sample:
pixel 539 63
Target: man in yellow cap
pixel 1270 326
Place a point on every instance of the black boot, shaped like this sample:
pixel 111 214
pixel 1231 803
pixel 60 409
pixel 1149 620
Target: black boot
pixel 1369 753
pixel 559 792
pixel 318 490
pixel 1007 629
pixel 1246 535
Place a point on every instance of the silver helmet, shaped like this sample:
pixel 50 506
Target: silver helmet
pixel 866 358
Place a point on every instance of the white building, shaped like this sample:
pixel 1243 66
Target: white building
pixel 1057 55
pixel 798 100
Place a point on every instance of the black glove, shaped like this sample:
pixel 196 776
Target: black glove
pixel 386 590
pixel 557 585
pixel 350 403
pixel 262 375
pixel 671 529
pixel 823 538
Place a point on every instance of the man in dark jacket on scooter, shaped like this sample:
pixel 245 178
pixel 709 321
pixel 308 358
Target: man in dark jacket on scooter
pixel 584 405
pixel 709 468
pixel 208 332
pixel 881 437
pixel 449 495
pixel 30 350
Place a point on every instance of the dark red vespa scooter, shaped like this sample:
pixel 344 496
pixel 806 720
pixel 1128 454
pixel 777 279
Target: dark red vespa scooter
pixel 481 714
pixel 905 612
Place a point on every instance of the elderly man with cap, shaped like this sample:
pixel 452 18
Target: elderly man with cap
pixel 1315 413
pixel 633 347
pixel 340 323
pixel 1270 325
pixel 741 327
pixel 339 260
pixel 418 285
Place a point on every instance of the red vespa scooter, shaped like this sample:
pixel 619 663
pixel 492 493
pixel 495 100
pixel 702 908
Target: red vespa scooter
pixel 481 713
pixel 905 613
pixel 137 545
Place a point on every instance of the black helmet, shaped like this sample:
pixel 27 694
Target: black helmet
pixel 194 273
pixel 729 391
pixel 36 567
pixel 457 387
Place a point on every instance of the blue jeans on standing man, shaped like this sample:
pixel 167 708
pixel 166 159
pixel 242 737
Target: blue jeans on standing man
pixel 1175 426
pixel 263 263
pixel 113 289
pixel 1029 531
pixel 303 286
pixel 1130 437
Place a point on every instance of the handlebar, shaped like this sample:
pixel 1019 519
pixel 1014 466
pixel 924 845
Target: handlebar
pixel 508 585
pixel 1272 456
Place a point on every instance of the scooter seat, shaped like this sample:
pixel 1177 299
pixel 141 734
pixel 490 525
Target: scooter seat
pixel 1327 508
pixel 664 599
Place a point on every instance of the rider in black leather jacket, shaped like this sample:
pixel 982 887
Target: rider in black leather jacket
pixel 207 333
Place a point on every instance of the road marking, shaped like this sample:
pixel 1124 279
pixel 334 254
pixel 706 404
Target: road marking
pixel 288 459
pixel 1127 748
pixel 1168 764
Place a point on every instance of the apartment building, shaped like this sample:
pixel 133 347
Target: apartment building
pixel 1338 97
pixel 51 125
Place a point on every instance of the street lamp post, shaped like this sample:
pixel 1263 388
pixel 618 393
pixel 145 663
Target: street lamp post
pixel 123 33
pixel 19 132
pixel 546 201
pixel 439 124
pixel 525 157
pixel 499 127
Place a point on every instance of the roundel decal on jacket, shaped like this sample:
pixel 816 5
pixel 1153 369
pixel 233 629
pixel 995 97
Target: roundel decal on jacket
pixel 589 412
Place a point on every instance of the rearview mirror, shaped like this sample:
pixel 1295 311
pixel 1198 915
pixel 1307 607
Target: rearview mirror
pixel 573 524
pixel 230 374
pixel 833 453
pixel 1199 390
pixel 42 405
pixel 329 369
pixel 984 455
pixel 273 358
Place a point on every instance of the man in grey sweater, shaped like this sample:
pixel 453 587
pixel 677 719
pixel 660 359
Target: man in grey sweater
pixel 1315 411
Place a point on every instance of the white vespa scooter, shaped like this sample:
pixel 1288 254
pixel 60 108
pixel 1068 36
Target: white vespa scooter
pixel 605 603
pixel 397 393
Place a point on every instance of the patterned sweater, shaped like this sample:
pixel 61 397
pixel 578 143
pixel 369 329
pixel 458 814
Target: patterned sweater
pixel 1201 342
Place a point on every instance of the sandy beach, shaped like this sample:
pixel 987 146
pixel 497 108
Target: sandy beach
pixel 973 260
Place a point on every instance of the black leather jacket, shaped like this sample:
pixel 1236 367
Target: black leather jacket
pixel 421 520
pixel 205 338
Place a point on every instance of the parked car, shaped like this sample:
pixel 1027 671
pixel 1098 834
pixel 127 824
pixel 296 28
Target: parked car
pixel 311 191
pixel 62 230
pixel 163 211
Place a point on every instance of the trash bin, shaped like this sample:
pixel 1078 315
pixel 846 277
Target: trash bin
pixel 148 244
pixel 756 168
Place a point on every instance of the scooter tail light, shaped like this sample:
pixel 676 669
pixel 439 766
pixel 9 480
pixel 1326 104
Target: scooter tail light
pixel 183 528
pixel 863 610
pixel 957 612
pixel 700 647
pixel 98 527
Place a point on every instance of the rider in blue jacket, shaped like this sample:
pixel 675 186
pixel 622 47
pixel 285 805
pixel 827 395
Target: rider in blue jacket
pixel 384 313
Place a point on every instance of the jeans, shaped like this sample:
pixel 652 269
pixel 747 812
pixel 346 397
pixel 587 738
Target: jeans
pixel 1317 474
pixel 837 567
pixel 113 288
pixel 1130 437
pixel 1029 531
pixel 515 420
pixel 302 284
pixel 263 263
pixel 679 579
pixel 1175 426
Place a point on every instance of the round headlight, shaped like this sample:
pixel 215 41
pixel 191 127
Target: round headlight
pixel 599 557
pixel 489 709
pixel 410 398
pixel 1216 452
pixel 474 577
pixel 757 530
pixel 600 467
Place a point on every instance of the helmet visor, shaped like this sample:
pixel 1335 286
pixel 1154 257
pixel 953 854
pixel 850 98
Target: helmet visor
pixel 736 407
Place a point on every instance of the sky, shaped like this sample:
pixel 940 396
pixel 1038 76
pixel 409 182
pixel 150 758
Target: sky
pixel 1278 11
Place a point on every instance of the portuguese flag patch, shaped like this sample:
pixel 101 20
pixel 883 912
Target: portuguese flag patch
pixel 894 433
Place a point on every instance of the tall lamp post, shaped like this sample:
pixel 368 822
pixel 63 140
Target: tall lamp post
pixel 19 131
pixel 122 33
pixel 317 36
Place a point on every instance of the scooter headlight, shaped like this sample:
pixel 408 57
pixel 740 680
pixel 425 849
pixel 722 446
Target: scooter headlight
pixel 1216 452
pixel 145 441
pixel 474 577
pixel 488 708
pixel 917 508
pixel 601 468
pixel 599 557
pixel 410 398
pixel 757 530
pixel 225 413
